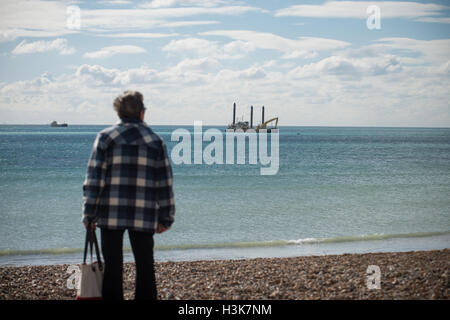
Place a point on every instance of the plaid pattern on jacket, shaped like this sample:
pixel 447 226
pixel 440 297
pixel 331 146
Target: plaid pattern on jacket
pixel 129 180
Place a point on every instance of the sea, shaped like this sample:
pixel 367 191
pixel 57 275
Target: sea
pixel 337 190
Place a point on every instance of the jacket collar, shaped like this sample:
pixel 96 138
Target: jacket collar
pixel 130 120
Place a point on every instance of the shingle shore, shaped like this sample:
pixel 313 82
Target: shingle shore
pixel 404 275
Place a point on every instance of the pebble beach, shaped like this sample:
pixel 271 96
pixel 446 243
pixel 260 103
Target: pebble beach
pixel 404 275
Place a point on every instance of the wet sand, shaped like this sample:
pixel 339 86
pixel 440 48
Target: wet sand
pixel 404 275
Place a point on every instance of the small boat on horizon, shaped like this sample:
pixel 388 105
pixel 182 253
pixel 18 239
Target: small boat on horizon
pixel 56 124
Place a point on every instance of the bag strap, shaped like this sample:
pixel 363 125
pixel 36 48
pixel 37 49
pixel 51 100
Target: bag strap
pixel 97 250
pixel 91 240
pixel 86 243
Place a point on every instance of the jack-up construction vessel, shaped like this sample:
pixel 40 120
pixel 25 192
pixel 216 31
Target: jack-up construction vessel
pixel 244 125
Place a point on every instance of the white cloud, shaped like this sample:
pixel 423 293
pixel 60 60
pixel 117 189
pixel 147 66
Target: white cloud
pixel 305 47
pixel 357 9
pixel 188 23
pixel 384 50
pixel 201 64
pixel 253 73
pixel 97 73
pixel 199 3
pixel 114 2
pixel 8 35
pixel 114 19
pixel 432 51
pixel 38 18
pixel 434 20
pixel 295 54
pixel 238 47
pixel 137 76
pixel 159 4
pixel 389 82
pixel 142 35
pixel 59 45
pixel 337 66
pixel 13 34
pixel 158 24
pixel 190 72
pixel 445 68
pixel 349 68
pixel 195 45
pixel 100 76
pixel 107 52
pixel 32 19
pixel 205 48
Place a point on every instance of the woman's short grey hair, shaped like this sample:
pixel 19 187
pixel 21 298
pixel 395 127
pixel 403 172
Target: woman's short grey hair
pixel 130 104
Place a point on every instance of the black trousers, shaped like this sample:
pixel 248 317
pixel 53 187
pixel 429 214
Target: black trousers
pixel 142 246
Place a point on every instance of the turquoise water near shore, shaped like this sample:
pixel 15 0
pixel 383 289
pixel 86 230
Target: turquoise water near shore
pixel 356 189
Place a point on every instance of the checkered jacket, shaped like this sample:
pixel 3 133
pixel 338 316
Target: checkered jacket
pixel 128 183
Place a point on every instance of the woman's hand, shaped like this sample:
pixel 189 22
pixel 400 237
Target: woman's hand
pixel 161 228
pixel 86 225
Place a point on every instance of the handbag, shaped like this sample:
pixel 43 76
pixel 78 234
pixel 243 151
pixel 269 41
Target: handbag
pixel 91 274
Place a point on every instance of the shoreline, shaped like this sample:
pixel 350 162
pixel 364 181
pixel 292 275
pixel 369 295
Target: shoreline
pixel 305 248
pixel 404 275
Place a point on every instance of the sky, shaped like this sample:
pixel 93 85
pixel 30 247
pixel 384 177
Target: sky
pixel 310 63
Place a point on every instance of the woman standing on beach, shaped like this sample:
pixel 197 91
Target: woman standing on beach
pixel 128 186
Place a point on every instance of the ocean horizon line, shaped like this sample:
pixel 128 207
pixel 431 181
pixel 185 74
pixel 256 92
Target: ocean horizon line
pixel 225 125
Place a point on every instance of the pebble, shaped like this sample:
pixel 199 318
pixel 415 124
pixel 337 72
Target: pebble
pixel 405 275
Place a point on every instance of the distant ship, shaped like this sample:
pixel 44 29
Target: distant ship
pixel 56 124
pixel 244 125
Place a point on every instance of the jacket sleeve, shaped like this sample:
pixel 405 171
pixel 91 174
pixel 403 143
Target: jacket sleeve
pixel 164 179
pixel 94 181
